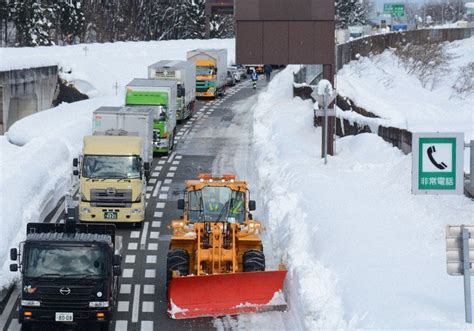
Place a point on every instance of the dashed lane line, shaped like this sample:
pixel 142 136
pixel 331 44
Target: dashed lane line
pixel 8 308
pixel 157 188
pixel 144 235
pixel 136 304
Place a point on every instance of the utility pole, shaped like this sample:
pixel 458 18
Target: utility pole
pixel 328 145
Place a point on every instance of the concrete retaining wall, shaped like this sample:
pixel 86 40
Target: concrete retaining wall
pixel 24 92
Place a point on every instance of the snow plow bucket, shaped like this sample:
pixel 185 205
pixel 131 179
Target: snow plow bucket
pixel 226 294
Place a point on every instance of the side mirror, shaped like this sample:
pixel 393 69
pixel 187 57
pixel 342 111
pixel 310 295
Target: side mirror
pixel 75 172
pixel 75 162
pixel 117 271
pixel 13 254
pixel 117 260
pixel 14 267
pixel 252 205
pixel 181 204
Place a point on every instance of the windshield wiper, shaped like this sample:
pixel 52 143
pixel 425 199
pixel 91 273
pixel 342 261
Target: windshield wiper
pixel 226 209
pixel 53 275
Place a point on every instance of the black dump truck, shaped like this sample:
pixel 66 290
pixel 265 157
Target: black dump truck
pixel 70 273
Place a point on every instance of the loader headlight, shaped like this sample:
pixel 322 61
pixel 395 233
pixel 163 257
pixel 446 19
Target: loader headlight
pixel 137 211
pixel 30 303
pixel 98 304
pixel 85 210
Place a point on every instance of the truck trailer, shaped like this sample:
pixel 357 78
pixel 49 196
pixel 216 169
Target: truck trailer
pixel 211 71
pixel 184 73
pixel 70 274
pixel 163 95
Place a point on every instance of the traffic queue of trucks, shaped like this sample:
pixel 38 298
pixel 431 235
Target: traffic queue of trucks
pixel 70 270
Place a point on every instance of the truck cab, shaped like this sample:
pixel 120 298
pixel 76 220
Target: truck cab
pixel 211 71
pixel 70 274
pixel 112 180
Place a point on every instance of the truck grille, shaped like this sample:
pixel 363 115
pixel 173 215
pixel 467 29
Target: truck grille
pixel 111 198
pixel 78 298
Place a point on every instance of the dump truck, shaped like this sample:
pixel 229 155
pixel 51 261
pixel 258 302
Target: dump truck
pixel 211 71
pixel 114 168
pixel 70 274
pixel 215 263
pixel 184 73
pixel 163 95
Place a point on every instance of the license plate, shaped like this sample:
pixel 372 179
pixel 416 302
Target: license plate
pixel 64 317
pixel 110 215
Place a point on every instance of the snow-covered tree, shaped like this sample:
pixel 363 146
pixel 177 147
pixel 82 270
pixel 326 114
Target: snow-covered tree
pixel 351 12
pixel 71 19
pixel 33 22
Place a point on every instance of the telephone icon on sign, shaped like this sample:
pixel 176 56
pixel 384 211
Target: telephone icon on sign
pixel 440 166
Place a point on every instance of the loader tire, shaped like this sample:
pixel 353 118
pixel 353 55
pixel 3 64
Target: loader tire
pixel 177 260
pixel 254 260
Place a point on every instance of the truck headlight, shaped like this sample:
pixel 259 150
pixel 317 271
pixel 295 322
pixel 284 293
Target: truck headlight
pixel 98 304
pixel 30 303
pixel 85 210
pixel 137 211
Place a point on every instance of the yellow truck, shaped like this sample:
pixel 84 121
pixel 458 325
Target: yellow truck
pixel 112 180
pixel 211 71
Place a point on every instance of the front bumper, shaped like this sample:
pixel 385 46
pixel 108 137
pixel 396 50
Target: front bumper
pixel 161 146
pixel 206 94
pixel 79 316
pixel 124 215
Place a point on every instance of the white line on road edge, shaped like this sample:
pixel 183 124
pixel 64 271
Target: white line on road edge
pixel 136 304
pixel 170 159
pixel 157 188
pixel 8 308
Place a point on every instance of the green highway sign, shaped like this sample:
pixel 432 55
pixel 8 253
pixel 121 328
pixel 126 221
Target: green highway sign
pixel 437 163
pixel 396 9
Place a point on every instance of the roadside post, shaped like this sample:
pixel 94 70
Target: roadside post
pixel 325 95
pixel 438 163
pixel 460 255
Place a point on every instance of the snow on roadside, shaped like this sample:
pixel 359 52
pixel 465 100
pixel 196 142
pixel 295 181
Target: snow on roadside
pixel 361 251
pixel 381 86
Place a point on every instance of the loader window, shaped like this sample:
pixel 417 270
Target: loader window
pixel 216 204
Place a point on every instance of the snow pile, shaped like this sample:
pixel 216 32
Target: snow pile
pixel 361 251
pixel 35 176
pixel 380 85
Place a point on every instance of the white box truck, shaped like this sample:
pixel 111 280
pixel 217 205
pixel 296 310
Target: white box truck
pixel 184 73
pixel 160 93
pixel 211 71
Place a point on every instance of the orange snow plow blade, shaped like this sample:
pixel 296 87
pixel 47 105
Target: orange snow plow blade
pixel 226 294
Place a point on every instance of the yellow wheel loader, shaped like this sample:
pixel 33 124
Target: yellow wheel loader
pixel 215 263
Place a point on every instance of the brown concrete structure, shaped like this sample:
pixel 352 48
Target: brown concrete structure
pixel 288 32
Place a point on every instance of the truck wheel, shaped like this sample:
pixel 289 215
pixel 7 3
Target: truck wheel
pixel 253 260
pixel 104 326
pixel 177 260
pixel 26 326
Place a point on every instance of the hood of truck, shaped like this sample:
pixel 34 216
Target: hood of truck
pixel 135 185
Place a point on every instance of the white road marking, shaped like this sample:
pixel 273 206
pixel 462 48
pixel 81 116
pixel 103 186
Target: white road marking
pixel 152 247
pixel 132 246
pixel 158 214
pixel 146 326
pixel 136 304
pixel 135 234
pixel 148 195
pixel 153 181
pixel 178 157
pixel 157 188
pixel 160 205
pixel 174 168
pixel 170 174
pixel 127 273
pixel 163 196
pixel 125 289
pixel 165 188
pixel 154 235
pixel 8 308
pixel 155 174
pixel 170 159
pixel 175 162
pixel 180 133
pixel 130 259
pixel 148 289
pixel 149 188
pixel 151 259
pixel 121 325
pixel 148 307
pixel 150 273
pixel 159 168
pixel 161 162
pixel 144 235
pixel 123 306
pixel 168 181
pixel 14 325
pixel 156 224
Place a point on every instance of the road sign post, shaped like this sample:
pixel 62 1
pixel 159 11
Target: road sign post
pixel 460 256
pixel 437 164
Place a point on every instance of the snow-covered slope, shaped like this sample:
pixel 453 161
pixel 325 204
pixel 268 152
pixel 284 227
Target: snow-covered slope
pixel 361 250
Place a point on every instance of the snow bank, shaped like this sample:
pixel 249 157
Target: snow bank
pixel 361 251
pixel 381 86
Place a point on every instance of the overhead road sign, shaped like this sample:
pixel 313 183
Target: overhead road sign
pixel 437 163
pixel 396 9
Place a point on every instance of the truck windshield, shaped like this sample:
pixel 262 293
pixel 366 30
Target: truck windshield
pixel 204 70
pixel 60 261
pixel 216 204
pixel 104 166
pixel 160 113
